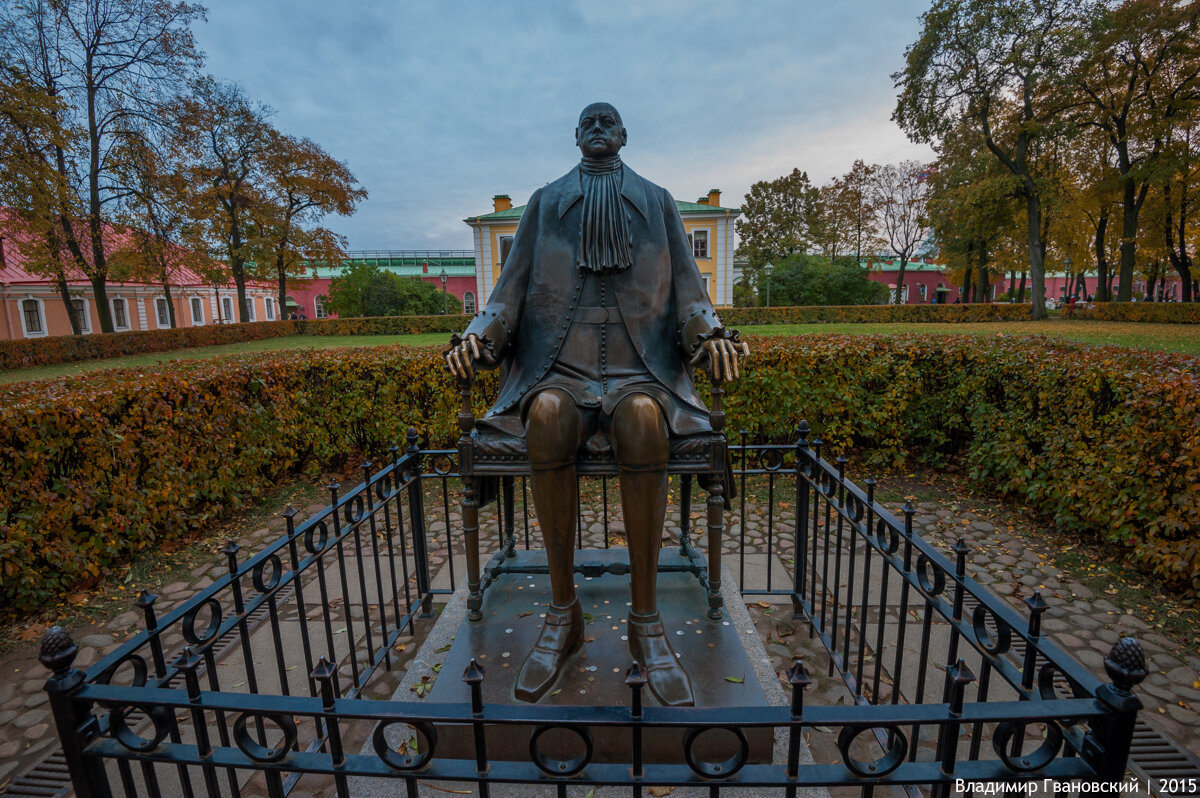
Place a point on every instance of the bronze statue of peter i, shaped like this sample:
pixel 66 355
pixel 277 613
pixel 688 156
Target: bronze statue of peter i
pixel 599 312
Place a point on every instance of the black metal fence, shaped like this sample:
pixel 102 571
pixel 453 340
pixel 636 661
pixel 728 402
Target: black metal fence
pixel 260 678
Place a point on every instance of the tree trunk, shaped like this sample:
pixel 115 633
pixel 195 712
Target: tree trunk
pixel 239 279
pixel 100 291
pixel 1177 246
pixel 64 291
pixel 1102 279
pixel 1033 209
pixel 966 286
pixel 1021 290
pixel 166 284
pixel 1012 283
pixel 281 312
pixel 900 281
pixel 981 286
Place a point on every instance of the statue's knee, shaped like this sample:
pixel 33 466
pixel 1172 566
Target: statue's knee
pixel 639 432
pixel 552 427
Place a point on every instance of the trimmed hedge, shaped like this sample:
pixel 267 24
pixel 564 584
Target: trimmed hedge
pixel 97 468
pixel 49 351
pixel 387 325
pixel 1158 312
pixel 877 314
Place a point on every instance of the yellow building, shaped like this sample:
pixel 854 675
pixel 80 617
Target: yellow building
pixel 709 228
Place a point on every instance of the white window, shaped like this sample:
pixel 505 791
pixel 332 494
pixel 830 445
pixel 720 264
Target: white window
pixel 197 311
pixel 270 306
pixel 79 310
pixel 162 313
pixel 699 240
pixel 249 308
pixel 468 302
pixel 227 309
pixel 33 321
pixel 120 315
pixel 319 308
pixel 921 288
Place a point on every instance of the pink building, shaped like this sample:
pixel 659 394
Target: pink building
pixel 31 305
pixel 458 267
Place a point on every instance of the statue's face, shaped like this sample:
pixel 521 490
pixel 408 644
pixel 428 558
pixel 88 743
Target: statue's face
pixel 600 132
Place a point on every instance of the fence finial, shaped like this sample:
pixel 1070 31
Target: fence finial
pixel 1126 664
pixel 58 651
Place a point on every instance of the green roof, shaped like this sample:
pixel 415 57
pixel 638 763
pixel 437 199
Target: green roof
pixel 515 213
pixel 405 266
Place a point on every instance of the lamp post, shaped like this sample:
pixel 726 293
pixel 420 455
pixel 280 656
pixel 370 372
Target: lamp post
pixel 767 271
pixel 443 275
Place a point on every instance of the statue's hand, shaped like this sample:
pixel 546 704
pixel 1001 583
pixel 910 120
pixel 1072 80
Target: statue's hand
pixel 724 357
pixel 462 354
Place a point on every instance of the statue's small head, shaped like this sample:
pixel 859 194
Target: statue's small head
pixel 600 133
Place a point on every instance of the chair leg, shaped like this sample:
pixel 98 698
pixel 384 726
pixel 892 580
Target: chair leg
pixel 716 535
pixel 470 520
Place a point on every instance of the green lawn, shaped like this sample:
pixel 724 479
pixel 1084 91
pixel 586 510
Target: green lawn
pixel 1167 337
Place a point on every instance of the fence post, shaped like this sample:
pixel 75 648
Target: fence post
pixel 1106 748
pixel 800 563
pixel 72 716
pixel 416 513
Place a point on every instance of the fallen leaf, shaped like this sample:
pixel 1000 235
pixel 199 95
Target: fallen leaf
pixel 736 679
pixel 525 614
pixel 436 668
pixel 659 792
pixel 443 649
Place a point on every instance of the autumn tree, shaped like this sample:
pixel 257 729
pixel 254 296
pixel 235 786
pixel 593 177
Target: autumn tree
pixel 161 238
pixel 898 194
pixel 1140 71
pixel 777 218
pixel 970 208
pixel 845 216
pixel 301 183
pixel 113 63
pixel 975 61
pixel 226 137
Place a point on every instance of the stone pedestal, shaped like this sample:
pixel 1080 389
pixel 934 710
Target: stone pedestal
pixel 712 652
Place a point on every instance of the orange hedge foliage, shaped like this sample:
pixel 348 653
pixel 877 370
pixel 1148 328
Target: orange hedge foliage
pixel 877 314
pixel 98 467
pixel 1161 312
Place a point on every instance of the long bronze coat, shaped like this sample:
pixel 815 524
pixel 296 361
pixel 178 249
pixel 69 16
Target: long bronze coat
pixel 662 297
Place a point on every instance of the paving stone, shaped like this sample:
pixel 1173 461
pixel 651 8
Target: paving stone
pixel 36 699
pixel 6 692
pixel 175 587
pixel 6 768
pixel 37 731
pixel 1104 605
pixel 1081 591
pixel 125 620
pixel 31 718
pixel 94 640
pixel 1182 675
pixel 9 749
pixel 6 717
pixel 983 526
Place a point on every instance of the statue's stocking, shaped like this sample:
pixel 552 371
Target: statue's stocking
pixel 642 447
pixel 552 435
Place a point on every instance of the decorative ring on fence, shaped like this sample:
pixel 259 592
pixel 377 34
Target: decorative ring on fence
pixel 139 670
pixel 394 759
pixel 1049 691
pixel 257 751
pixel 716 770
pixel 856 507
pixel 120 730
pixel 561 767
pixel 893 536
pixel 267 585
pixel 827 484
pixel 320 544
pixel 1031 763
pixel 996 644
pixel 808 465
pixel 202 641
pixel 443 465
pixel 931 586
pixel 354 509
pixel 891 759
pixel 770 459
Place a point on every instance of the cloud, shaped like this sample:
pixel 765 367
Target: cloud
pixel 438 106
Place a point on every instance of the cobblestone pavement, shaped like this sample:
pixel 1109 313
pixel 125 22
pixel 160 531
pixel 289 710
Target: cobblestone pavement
pixel 1007 554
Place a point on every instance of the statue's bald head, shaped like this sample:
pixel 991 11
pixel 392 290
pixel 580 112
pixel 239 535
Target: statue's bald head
pixel 600 132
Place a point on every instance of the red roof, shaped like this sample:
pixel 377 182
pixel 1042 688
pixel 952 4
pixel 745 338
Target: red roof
pixel 13 262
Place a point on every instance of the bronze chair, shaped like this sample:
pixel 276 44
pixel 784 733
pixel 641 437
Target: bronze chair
pixel 504 457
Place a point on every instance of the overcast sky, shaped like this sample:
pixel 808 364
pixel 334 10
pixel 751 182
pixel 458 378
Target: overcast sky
pixel 437 106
